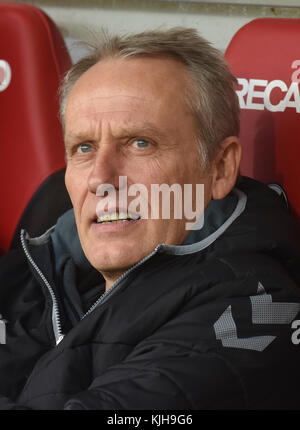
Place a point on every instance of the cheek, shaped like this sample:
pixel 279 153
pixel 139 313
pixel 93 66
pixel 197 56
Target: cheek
pixel 75 186
pixel 162 170
pixel 70 183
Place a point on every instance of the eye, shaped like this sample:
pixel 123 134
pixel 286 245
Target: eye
pixel 84 148
pixel 141 143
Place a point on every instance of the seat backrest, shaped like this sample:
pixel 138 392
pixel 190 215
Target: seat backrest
pixel 264 55
pixel 33 58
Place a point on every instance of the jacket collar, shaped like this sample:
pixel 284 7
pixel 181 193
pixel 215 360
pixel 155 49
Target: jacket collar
pixel 218 216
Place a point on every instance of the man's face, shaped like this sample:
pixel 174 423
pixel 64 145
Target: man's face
pixel 128 117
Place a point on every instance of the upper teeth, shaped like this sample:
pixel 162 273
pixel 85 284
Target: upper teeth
pixel 115 216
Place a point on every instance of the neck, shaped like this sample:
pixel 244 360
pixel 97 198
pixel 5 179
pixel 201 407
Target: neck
pixel 111 278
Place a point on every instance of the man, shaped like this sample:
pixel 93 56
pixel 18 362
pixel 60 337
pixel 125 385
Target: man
pixel 114 308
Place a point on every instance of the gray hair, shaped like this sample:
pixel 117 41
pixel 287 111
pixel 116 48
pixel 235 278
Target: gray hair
pixel 211 94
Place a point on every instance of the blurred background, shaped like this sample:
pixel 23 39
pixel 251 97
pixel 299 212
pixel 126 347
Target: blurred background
pixel 217 21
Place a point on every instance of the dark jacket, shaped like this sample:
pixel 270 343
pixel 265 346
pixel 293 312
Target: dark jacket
pixel 205 325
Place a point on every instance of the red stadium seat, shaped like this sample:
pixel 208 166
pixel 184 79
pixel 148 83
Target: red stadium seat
pixel 264 55
pixel 33 58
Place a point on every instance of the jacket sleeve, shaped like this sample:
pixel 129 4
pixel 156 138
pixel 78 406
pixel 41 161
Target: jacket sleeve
pixel 242 358
pixel 176 379
pixel 6 404
pixel 235 353
pixel 168 378
pixel 162 372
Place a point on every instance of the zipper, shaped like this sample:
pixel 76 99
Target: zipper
pixel 56 323
pixel 105 296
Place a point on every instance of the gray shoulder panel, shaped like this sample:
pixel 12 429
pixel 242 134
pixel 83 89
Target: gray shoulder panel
pixel 196 247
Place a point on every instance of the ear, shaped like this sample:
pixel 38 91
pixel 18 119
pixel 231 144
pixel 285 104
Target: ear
pixel 226 167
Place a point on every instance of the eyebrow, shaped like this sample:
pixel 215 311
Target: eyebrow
pixel 145 128
pixel 74 137
pixel 122 132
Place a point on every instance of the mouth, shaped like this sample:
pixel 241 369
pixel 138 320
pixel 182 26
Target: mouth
pixel 116 217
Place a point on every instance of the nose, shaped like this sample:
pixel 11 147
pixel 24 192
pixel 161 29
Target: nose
pixel 106 167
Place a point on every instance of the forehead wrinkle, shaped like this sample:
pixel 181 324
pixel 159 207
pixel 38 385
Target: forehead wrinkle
pixel 90 110
pixel 117 129
pixel 89 101
pixel 135 129
pixel 94 115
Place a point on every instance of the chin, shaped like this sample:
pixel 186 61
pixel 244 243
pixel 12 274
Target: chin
pixel 113 258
